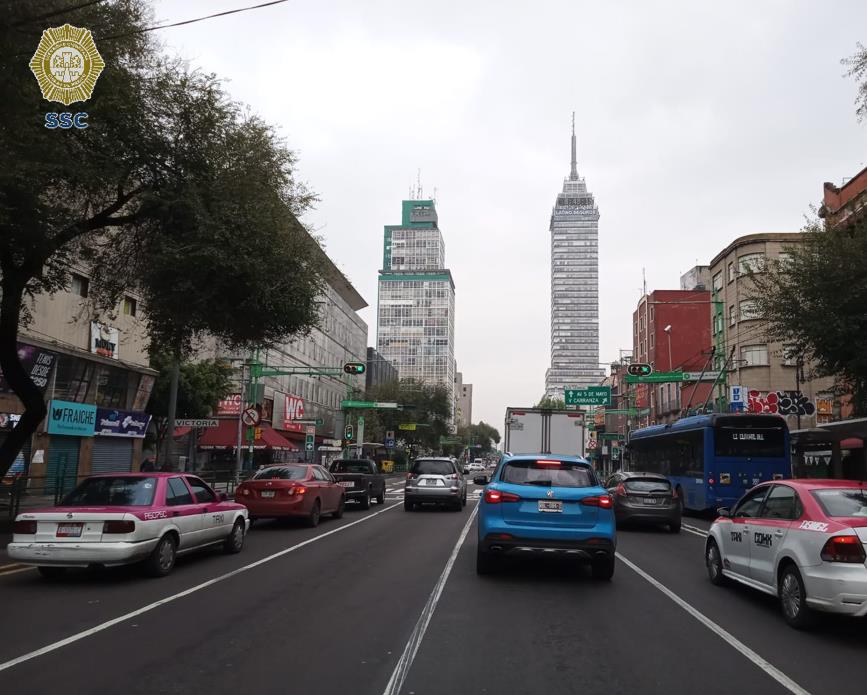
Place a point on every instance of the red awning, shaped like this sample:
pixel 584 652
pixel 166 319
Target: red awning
pixel 182 432
pixel 852 443
pixel 225 436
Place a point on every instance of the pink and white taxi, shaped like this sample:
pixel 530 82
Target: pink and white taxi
pixel 803 541
pixel 122 518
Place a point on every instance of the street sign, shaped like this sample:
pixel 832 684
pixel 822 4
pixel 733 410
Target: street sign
pixel 407 427
pixel 622 411
pixel 389 439
pixel 591 444
pixel 656 378
pixel 610 436
pixel 308 421
pixel 369 404
pixel 591 395
pixel 250 417
pixel 696 376
pixel 201 423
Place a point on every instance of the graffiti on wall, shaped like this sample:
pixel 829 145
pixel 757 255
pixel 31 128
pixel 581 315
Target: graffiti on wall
pixel 779 403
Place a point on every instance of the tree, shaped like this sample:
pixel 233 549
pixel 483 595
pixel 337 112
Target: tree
pixel 552 403
pixel 426 406
pixel 814 302
pixel 200 386
pixel 857 64
pixel 480 438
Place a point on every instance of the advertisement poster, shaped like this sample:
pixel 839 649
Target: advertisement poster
pixel 37 362
pixel 121 423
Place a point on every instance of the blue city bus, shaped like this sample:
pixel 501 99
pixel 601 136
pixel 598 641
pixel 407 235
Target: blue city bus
pixel 712 460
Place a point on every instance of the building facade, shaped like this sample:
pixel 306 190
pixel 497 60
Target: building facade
pixel 464 397
pixel 770 377
pixel 416 312
pixel 697 278
pixel 843 205
pixel 574 287
pixel 379 370
pixel 96 380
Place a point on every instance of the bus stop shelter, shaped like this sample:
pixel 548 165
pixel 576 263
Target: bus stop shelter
pixel 830 450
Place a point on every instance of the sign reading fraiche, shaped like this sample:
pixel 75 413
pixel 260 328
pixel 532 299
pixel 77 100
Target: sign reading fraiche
pixel 104 340
pixel 72 419
pixel 121 423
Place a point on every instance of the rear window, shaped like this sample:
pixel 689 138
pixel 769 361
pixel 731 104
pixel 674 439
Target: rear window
pixel 559 474
pixel 647 485
pixel 433 468
pixel 842 501
pixel 350 467
pixel 112 491
pixel 282 472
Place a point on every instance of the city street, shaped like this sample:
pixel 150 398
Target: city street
pixel 333 610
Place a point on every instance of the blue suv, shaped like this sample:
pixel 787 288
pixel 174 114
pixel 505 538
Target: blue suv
pixel 540 504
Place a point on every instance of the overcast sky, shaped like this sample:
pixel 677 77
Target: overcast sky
pixel 696 125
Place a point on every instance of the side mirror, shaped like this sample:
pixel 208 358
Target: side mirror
pixel 480 480
pixel 223 497
pixel 724 512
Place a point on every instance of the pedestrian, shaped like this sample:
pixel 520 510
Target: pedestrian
pixel 148 466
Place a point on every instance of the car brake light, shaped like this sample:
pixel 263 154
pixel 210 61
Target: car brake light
pixel 24 527
pixel 603 501
pixel 296 490
pixel 550 464
pixel 118 526
pixel 496 496
pixel 711 481
pixel 244 492
pixel 621 490
pixel 410 476
pixel 843 549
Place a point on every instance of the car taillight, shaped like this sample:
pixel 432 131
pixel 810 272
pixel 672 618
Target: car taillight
pixel 711 481
pixel 410 476
pixel 118 526
pixel 243 491
pixel 24 527
pixel 603 501
pixel 296 490
pixel 497 496
pixel 621 490
pixel 843 549
pixel 674 493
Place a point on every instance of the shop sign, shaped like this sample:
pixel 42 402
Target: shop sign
pixel 230 405
pixel 121 423
pixel 36 362
pixel 73 419
pixel 8 420
pixel 293 409
pixel 104 340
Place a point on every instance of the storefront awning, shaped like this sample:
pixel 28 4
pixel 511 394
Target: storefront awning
pixel 225 436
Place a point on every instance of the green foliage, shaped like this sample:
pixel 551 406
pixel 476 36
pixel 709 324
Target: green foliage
pixel 426 406
pixel 552 403
pixel 480 437
pixel 200 386
pixel 815 301
pixel 857 65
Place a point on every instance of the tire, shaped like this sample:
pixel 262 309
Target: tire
pixel 713 563
pixel 341 506
pixel 464 499
pixel 793 599
pixel 408 506
pixel 681 500
pixel 234 543
pixel 49 572
pixel 603 570
pixel 380 498
pixel 315 514
pixel 486 563
pixel 253 520
pixel 675 527
pixel 458 506
pixel 161 561
pixel 364 502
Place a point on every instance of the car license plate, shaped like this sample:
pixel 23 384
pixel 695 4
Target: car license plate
pixel 69 530
pixel 550 506
pixel 347 483
pixel 268 493
pixel 651 500
pixel 431 483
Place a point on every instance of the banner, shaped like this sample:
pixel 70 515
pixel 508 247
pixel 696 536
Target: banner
pixel 121 423
pixel 37 362
pixel 293 409
pixel 104 340
pixel 72 419
pixel 230 405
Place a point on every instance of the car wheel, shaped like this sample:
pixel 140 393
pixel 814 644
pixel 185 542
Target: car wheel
pixel 364 502
pixel 713 562
pixel 485 562
pixel 338 513
pixel 674 527
pixel 793 599
pixel 253 520
pixel 161 561
pixel 603 569
pixel 315 514
pixel 380 498
pixel 234 543
pixel 51 572
pixel 408 506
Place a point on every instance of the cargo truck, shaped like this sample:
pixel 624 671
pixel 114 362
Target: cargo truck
pixel 545 431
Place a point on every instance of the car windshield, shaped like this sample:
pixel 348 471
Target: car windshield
pixel 282 472
pixel 350 467
pixel 433 468
pixel 548 474
pixel 112 491
pixel 843 501
pixel 647 485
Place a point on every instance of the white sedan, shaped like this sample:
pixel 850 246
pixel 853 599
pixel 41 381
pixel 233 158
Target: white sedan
pixel 122 518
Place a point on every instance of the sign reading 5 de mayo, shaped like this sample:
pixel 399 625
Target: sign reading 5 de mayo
pixel 74 419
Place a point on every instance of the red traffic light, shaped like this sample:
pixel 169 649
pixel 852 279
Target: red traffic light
pixel 354 368
pixel 639 369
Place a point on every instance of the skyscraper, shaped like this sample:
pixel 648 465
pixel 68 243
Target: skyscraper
pixel 574 286
pixel 416 313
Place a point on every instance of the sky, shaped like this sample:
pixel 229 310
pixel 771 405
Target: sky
pixel 696 124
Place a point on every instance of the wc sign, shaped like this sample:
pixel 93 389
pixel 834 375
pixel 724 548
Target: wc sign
pixel 737 398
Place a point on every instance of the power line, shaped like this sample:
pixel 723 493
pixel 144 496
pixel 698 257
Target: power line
pixel 65 10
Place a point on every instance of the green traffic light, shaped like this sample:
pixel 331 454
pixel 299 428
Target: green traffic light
pixel 354 367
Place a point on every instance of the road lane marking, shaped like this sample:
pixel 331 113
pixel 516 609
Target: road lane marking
pixel 694 530
pixel 718 630
pixel 186 592
pixel 398 676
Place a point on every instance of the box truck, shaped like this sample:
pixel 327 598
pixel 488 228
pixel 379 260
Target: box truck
pixel 544 431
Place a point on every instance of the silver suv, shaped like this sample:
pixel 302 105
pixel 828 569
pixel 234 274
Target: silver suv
pixel 437 481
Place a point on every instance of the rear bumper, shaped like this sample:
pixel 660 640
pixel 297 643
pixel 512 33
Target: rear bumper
pixel 80 554
pixel 431 494
pixel 837 589
pixel 268 509
pixel 668 514
pixel 589 549
pixel 354 493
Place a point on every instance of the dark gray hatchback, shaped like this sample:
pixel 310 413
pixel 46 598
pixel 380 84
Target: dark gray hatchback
pixel 644 498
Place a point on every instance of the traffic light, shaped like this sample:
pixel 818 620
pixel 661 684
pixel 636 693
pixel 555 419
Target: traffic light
pixel 354 367
pixel 639 369
pixel 348 433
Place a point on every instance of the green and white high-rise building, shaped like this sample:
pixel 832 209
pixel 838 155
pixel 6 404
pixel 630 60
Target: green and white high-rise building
pixel 416 309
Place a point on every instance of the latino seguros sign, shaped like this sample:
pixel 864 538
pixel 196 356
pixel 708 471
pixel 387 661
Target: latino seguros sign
pixel 121 423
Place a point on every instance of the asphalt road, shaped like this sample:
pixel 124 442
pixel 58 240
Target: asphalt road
pixel 384 602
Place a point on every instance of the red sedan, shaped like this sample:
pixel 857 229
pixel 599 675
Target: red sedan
pixel 292 490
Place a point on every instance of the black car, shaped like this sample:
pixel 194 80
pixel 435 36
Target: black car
pixel 362 480
pixel 644 498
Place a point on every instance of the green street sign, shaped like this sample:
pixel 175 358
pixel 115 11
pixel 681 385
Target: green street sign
pixel 611 436
pixel 622 411
pixel 656 378
pixel 591 395
pixel 369 404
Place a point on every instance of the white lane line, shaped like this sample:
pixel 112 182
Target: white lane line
pixel 694 530
pixel 168 599
pixel 721 632
pixel 395 683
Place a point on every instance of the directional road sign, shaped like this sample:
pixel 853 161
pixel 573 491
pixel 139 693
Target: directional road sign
pixel 369 404
pixel 308 421
pixel 656 378
pixel 695 376
pixel 592 395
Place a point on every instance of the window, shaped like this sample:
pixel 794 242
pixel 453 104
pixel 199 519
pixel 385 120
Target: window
pixel 433 467
pixel 319 474
pixel 177 493
pixel 732 316
pixel 782 503
pixel 785 259
pixel 790 356
pixel 652 340
pixel 548 474
pixel 750 505
pixel 731 272
pixel 749 442
pixel 111 491
pixel 754 262
pixel 754 355
pixel 203 493
pixel 648 485
pixel 749 310
pixel 282 473
pixel 129 306
pixel 843 501
pixel 717 282
pixel 79 285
